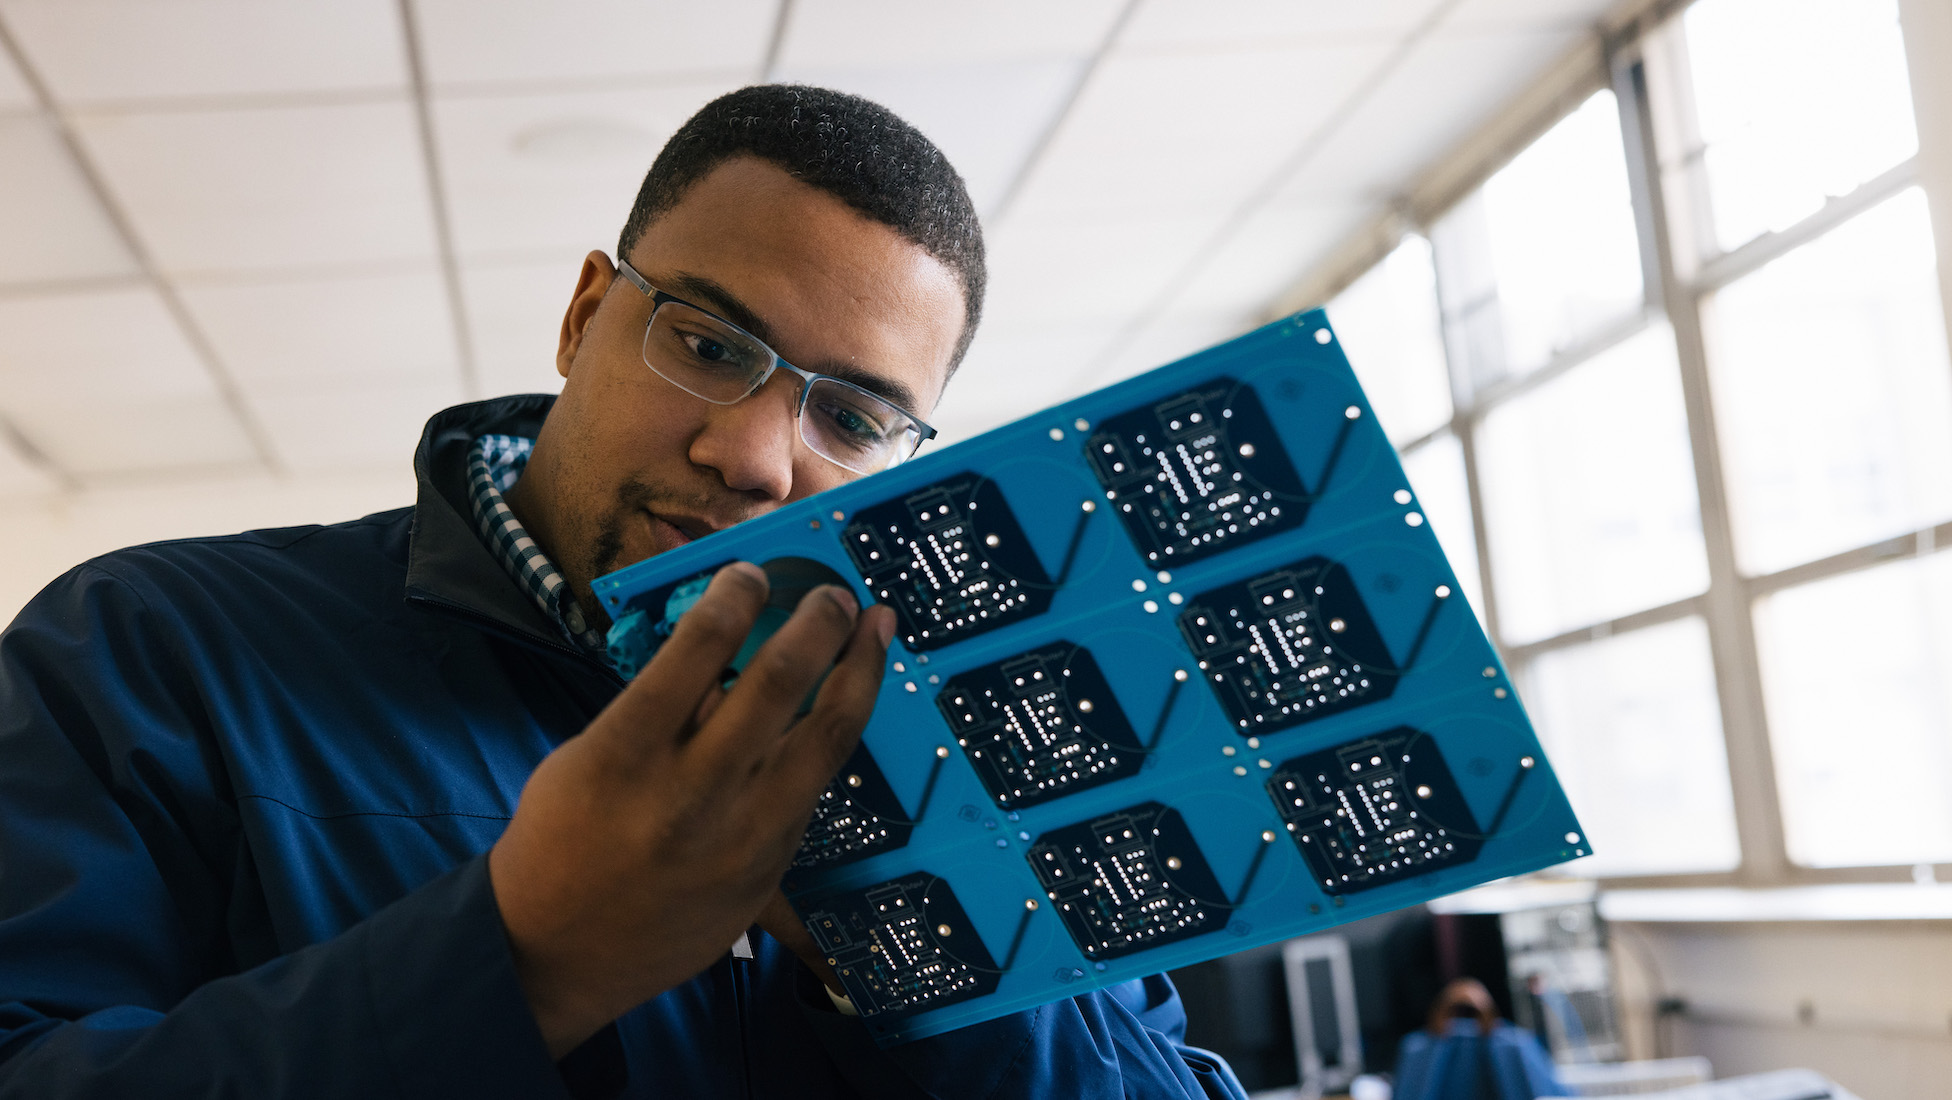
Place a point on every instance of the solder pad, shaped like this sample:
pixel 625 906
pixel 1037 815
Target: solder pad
pixel 1272 610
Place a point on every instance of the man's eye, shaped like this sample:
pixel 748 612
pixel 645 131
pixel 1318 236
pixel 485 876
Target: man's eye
pixel 852 421
pixel 707 350
pixel 852 424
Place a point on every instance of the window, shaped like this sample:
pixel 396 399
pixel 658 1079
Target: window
pixel 1387 321
pixel 1633 729
pixel 1577 426
pixel 1544 258
pixel 1857 670
pixel 1561 237
pixel 1834 401
pixel 1436 471
pixel 1679 369
pixel 1589 494
pixel 1795 101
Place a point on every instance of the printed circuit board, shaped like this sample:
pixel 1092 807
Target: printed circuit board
pixel 1179 670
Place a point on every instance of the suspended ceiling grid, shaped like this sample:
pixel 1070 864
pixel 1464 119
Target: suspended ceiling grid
pixel 270 238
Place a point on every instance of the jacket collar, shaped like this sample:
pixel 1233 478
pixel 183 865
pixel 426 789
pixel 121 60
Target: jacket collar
pixel 447 563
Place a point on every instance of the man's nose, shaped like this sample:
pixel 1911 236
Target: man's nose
pixel 754 444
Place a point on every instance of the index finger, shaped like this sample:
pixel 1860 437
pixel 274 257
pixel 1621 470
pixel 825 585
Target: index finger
pixel 779 676
pixel 670 688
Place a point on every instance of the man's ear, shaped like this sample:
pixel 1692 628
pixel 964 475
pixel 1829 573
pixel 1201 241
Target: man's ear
pixel 591 285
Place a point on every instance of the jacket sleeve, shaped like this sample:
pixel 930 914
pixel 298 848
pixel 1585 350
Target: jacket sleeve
pixel 119 848
pixel 1125 1041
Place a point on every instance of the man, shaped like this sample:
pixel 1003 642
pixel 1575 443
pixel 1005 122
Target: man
pixel 360 810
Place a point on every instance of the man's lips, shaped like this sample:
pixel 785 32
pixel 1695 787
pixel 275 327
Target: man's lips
pixel 680 528
pixel 672 532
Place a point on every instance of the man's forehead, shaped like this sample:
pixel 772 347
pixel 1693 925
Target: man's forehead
pixel 830 289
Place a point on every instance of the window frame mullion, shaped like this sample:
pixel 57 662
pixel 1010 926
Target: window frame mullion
pixel 1727 604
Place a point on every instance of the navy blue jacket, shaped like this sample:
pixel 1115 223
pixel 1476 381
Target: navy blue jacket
pixel 247 785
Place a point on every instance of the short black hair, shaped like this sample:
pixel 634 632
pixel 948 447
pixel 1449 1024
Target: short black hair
pixel 852 148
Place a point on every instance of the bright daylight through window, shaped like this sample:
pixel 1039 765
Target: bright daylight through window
pixel 1680 366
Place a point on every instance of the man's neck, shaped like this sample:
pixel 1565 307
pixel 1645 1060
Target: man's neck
pixel 526 499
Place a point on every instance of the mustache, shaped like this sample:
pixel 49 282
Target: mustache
pixel 634 496
pixel 638 496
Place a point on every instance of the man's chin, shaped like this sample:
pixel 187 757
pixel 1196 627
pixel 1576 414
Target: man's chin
pixel 628 539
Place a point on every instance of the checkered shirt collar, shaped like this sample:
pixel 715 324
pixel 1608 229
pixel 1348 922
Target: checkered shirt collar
pixel 494 465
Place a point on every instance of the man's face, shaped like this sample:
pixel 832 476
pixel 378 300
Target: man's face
pixel 629 465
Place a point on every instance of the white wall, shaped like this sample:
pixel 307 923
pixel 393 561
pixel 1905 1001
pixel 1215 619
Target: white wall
pixel 44 537
pixel 1869 1004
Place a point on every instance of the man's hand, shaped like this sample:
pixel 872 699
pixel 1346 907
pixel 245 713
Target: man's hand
pixel 779 921
pixel 644 846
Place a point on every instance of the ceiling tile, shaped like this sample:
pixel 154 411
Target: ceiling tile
pixel 1266 254
pixel 1575 15
pixel 552 173
pixel 1012 371
pixel 285 331
pixel 1448 86
pixel 1058 271
pixel 98 346
pixel 18 477
pixel 51 228
pixel 15 95
pixel 1159 132
pixel 822 33
pixel 120 437
pixel 1183 24
pixel 339 427
pixel 247 190
pixel 479 42
pixel 95 50
pixel 516 313
pixel 986 117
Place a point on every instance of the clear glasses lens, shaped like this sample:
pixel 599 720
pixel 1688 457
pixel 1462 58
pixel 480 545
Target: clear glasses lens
pixel 855 429
pixel 708 358
pixel 703 355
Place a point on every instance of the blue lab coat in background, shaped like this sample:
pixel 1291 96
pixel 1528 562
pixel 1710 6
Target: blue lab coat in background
pixel 247 785
pixel 1461 1064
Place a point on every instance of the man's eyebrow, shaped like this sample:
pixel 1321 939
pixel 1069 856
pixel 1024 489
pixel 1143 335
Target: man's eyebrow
pixel 713 295
pixel 887 389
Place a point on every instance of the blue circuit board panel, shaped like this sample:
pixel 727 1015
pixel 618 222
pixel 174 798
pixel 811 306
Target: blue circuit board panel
pixel 1179 670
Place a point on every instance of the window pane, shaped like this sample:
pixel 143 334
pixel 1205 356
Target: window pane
pixel 1387 322
pixel 1589 493
pixel 1857 676
pixel 1795 100
pixel 1634 730
pixel 1436 472
pixel 1833 397
pixel 1559 238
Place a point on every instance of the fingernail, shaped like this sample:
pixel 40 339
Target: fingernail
pixel 884 625
pixel 845 599
pixel 747 569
